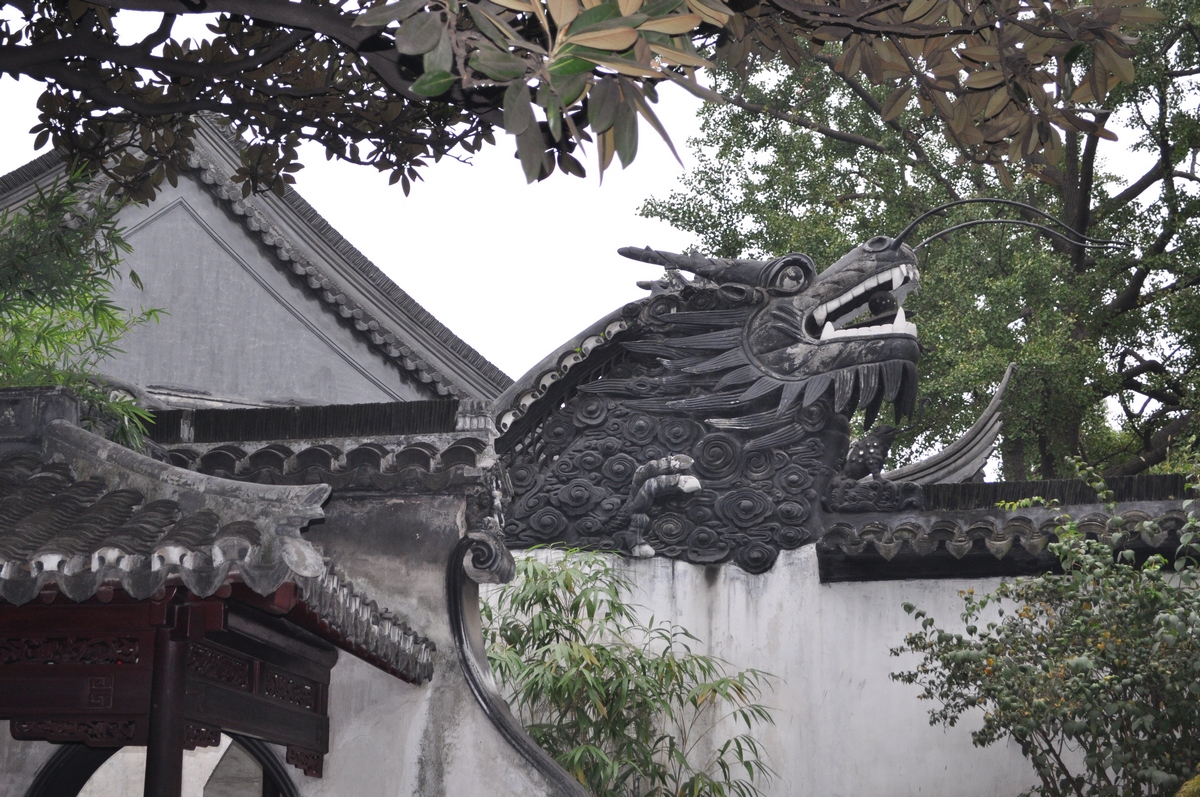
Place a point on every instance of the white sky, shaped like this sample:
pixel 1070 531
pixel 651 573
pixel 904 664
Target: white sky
pixel 513 269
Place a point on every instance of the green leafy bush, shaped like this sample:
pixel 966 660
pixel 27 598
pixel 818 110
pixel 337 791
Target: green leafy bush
pixel 624 704
pixel 1095 673
pixel 58 259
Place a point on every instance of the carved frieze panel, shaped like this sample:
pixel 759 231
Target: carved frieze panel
pixel 70 650
pixel 215 665
pixel 292 690
pixel 309 762
pixel 98 732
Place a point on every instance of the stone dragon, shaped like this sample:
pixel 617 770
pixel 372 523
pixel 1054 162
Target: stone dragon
pixel 710 421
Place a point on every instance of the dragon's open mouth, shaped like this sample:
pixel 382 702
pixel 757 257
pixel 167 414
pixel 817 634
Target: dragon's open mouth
pixel 881 295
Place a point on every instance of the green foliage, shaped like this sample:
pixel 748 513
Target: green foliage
pixel 1094 673
pixel 58 260
pixel 807 159
pixel 624 704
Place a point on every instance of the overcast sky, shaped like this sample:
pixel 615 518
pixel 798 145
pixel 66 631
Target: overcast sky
pixel 514 270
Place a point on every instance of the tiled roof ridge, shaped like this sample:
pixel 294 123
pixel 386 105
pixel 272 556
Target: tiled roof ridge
pixel 378 636
pixel 79 535
pixel 364 266
pixel 394 292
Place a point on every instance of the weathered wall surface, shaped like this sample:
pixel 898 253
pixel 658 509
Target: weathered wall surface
pixel 20 761
pixel 843 728
pixel 388 737
pixel 238 325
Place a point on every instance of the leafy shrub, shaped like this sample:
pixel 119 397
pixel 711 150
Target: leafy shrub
pixel 624 704
pixel 58 259
pixel 1095 673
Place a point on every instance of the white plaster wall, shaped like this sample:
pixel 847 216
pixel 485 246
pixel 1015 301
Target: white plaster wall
pixel 389 739
pixel 843 728
pixel 20 762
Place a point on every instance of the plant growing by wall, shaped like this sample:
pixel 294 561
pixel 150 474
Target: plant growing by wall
pixel 58 260
pixel 624 704
pixel 1095 673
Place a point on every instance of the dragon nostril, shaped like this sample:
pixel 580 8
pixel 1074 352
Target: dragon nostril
pixel 877 244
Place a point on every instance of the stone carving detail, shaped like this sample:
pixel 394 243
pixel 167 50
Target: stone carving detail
pixel 70 650
pixel 200 736
pixel 487 561
pixel 309 762
pixel 751 371
pixel 216 666
pixel 290 690
pixel 99 732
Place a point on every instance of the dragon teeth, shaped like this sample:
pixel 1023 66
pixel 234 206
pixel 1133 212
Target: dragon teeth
pixel 897 276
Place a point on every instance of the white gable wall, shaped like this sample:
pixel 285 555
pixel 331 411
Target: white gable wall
pixel 239 326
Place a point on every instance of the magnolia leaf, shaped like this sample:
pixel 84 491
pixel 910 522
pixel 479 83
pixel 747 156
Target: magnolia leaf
pixel 1140 15
pixel 511 35
pixel 570 165
pixel 710 16
pixel 563 11
pixel 570 88
pixel 514 5
pixel 679 58
pixel 1119 66
pixel 380 16
pixel 625 134
pixel 997 103
pixel 831 33
pixel 569 65
pixel 440 58
pixel 485 25
pixel 605 149
pixel 625 67
pixel 629 7
pixel 673 25
pixel 647 112
pixel 595 15
pixel 693 87
pixel 918 9
pixel 420 34
pixel 984 53
pixel 986 79
pixel 603 101
pixel 896 102
pixel 497 65
pixel 518 110
pixel 614 39
pixel 433 84
pixel 530 148
pixel 954 13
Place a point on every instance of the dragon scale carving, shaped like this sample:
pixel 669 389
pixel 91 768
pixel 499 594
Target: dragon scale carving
pixel 752 372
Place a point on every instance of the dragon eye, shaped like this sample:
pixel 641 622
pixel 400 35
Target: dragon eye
pixel 791 278
pixel 877 244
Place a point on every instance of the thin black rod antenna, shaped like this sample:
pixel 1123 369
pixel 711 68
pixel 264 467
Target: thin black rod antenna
pixel 1082 240
pixel 899 239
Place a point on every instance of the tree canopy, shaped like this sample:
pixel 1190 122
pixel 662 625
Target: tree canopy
pixel 809 159
pixel 395 85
